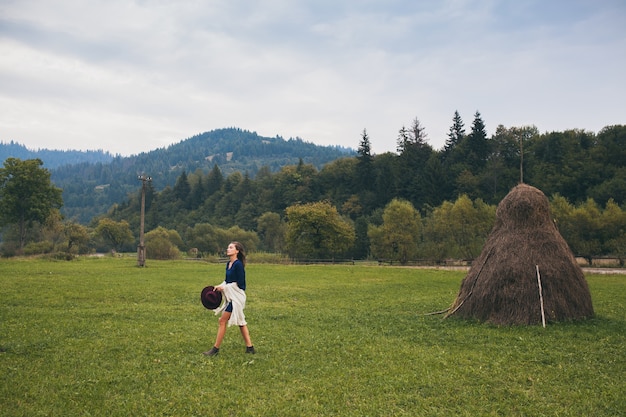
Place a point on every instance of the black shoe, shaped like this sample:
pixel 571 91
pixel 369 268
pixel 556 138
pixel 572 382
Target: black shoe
pixel 250 349
pixel 213 352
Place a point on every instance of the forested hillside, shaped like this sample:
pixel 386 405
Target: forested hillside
pixel 89 189
pixel 53 158
pixel 282 197
pixel 576 169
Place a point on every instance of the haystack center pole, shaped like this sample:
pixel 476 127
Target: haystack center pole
pixel 521 159
pixel 543 315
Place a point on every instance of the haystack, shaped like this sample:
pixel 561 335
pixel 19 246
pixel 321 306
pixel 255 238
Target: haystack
pixel 524 269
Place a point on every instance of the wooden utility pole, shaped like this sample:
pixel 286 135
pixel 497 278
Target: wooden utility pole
pixel 141 249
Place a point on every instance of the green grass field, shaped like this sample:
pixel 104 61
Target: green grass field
pixel 101 337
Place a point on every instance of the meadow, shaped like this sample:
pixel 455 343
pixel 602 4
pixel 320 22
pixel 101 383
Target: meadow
pixel 102 337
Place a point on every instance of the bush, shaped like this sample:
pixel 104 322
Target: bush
pixel 161 248
pixel 268 258
pixel 8 249
pixel 38 248
pixel 162 244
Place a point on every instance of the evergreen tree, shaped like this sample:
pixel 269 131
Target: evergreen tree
pixel 417 134
pixel 182 189
pixel 197 194
pixel 215 180
pixel 365 149
pixel 403 140
pixel 452 157
pixel 456 134
pixel 412 164
pixel 365 163
pixel 477 145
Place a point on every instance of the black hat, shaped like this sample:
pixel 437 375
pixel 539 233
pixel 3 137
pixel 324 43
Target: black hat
pixel 210 298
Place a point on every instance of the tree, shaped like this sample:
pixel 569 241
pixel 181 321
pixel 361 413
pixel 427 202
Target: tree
pixel 477 145
pixel 197 195
pixel 610 150
pixel 585 230
pixel 214 240
pixel 215 180
pixel 385 186
pixel 364 153
pixel 52 230
pixel 76 235
pixel 456 135
pixel 415 152
pixel 117 234
pixel 316 230
pixel 610 154
pixel 397 238
pixel 403 140
pixel 182 189
pixel 26 195
pixel 338 180
pixel 249 239
pixel 251 206
pixel 614 231
pixel 271 230
pixel 471 222
pixel 361 248
pixel 562 162
pixel 293 184
pixel 203 236
pixel 437 243
pixel 459 229
pixel 229 204
pixel 614 187
pixel 432 183
pixel 504 166
pixel 417 134
pixel 453 158
pixel 365 166
pixel 162 243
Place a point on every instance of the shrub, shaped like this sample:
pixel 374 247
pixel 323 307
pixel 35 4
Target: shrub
pixel 37 248
pixel 268 258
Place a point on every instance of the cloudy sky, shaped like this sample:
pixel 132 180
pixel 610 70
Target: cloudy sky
pixel 130 76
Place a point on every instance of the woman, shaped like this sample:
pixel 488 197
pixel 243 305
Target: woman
pixel 233 290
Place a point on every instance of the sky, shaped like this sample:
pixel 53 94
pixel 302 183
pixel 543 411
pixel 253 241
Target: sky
pixel 128 76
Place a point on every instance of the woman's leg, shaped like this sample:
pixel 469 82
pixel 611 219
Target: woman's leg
pixel 221 330
pixel 246 335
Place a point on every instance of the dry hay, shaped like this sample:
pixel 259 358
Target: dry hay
pixel 502 288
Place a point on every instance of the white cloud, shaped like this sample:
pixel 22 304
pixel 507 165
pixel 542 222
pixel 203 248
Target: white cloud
pixel 130 76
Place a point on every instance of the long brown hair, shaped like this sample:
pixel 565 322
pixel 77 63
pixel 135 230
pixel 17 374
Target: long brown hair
pixel 241 253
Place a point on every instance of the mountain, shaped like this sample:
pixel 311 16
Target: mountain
pixel 91 188
pixel 53 158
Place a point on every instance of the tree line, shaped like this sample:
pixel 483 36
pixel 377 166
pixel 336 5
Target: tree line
pixel 89 189
pixel 416 203
pixel 53 158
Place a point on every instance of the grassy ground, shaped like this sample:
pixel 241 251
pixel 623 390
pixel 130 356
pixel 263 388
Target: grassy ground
pixel 101 337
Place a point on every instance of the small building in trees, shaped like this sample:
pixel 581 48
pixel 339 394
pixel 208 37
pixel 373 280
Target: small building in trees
pixel 526 273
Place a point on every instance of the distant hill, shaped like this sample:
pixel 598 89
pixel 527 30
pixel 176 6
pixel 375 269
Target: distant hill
pixel 93 181
pixel 52 158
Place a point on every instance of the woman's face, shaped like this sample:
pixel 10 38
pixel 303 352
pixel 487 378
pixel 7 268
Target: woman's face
pixel 231 250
